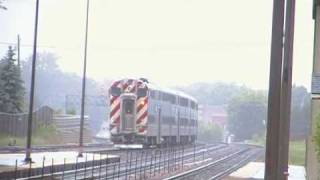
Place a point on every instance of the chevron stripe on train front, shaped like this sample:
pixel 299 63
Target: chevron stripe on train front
pixel 114 114
pixel 142 112
pixel 115 110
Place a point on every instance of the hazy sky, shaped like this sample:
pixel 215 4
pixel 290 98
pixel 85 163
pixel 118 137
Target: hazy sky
pixel 171 42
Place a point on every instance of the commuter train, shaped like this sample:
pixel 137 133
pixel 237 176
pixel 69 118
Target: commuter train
pixel 143 113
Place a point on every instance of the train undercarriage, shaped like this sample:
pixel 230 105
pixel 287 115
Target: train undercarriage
pixel 132 138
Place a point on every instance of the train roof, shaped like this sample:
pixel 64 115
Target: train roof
pixel 170 91
pixel 153 86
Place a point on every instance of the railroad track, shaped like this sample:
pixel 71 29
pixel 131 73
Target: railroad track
pixel 89 148
pixel 237 163
pixel 152 170
pixel 221 167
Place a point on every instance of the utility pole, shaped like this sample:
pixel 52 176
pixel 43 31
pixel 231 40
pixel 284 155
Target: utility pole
pixel 271 157
pixel 279 99
pixel 286 90
pixel 83 85
pixel 28 148
pixel 18 49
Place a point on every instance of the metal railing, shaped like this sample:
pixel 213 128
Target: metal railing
pixel 128 164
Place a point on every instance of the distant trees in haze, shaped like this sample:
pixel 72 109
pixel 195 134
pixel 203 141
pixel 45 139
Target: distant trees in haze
pixel 247 115
pixel 213 93
pixel 209 132
pixel 59 89
pixel 300 112
pixel 51 84
pixel 53 88
pixel 11 85
pixel 247 108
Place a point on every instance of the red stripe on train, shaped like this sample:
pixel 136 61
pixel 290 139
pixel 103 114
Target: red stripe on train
pixel 117 120
pixel 113 99
pixel 142 117
pixel 125 85
pixel 133 89
pixel 115 110
pixel 140 106
pixel 142 129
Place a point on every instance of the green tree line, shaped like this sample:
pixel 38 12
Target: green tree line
pixel 247 108
pixel 11 85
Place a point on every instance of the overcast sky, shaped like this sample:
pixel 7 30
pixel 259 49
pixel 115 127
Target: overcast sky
pixel 171 42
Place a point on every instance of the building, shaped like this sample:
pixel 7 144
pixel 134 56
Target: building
pixel 312 163
pixel 215 114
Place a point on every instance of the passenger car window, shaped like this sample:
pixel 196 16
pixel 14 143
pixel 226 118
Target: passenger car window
pixel 183 102
pixel 152 94
pixel 142 92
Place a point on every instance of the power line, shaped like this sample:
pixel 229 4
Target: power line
pixel 24 45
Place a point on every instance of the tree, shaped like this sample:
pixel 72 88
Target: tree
pixel 11 85
pixel 214 93
pixel 51 84
pixel 247 115
pixel 209 132
pixel 53 87
pixel 300 112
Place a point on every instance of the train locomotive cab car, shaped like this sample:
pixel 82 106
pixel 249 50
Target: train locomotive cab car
pixel 143 113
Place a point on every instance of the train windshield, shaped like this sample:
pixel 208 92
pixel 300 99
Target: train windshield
pixel 128 106
pixel 115 91
pixel 128 114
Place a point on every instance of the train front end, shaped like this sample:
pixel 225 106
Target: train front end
pixel 128 111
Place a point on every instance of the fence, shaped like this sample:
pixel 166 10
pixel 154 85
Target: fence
pixel 143 164
pixel 68 127
pixel 16 124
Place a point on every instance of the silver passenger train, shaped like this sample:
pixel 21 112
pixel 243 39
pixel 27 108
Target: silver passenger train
pixel 141 112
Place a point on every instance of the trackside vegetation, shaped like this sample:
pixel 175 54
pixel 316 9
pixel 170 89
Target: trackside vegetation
pixel 43 135
pixel 11 84
pixel 297 151
pixel 316 137
pixel 209 132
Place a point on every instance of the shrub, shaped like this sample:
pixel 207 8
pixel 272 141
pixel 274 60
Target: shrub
pixel 71 111
pixel 316 137
pixel 209 132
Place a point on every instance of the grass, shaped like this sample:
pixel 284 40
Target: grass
pixel 297 150
pixel 42 136
pixel 257 140
pixel 6 139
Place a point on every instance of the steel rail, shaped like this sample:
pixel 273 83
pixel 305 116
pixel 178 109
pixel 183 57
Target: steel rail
pixel 196 171
pixel 234 167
